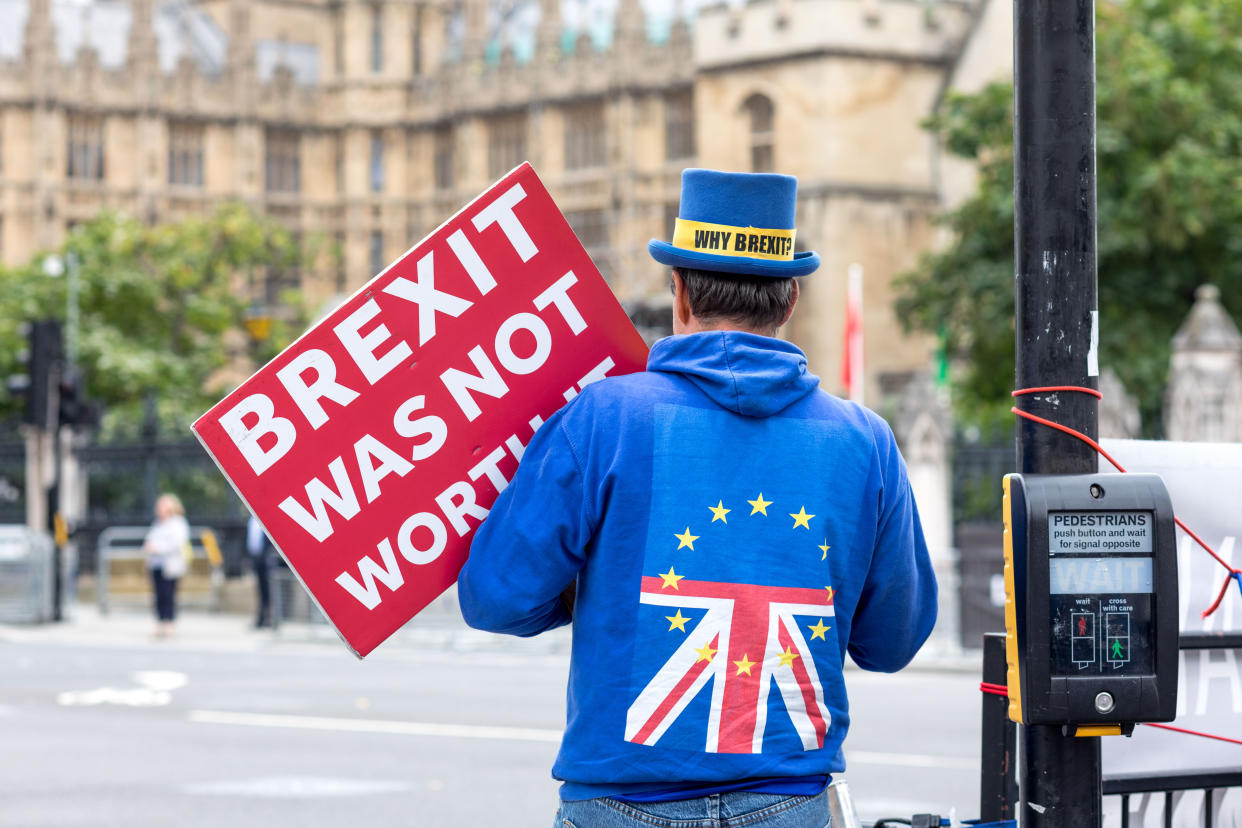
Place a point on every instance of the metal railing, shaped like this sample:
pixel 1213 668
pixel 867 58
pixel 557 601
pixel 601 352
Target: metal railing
pixel 124 543
pixel 291 601
pixel 1145 799
pixel 1149 799
pixel 1159 798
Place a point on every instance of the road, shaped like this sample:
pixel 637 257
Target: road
pixel 143 733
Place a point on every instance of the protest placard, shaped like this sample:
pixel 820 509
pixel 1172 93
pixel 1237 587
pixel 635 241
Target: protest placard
pixel 372 447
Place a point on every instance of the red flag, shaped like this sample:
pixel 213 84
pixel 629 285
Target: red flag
pixel 852 356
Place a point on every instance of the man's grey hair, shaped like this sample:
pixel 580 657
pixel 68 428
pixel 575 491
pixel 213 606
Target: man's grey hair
pixel 756 302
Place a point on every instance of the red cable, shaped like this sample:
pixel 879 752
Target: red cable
pixel 1119 468
pixel 1002 690
pixel 1071 432
pixel 1193 732
pixel 1046 388
pixel 1234 574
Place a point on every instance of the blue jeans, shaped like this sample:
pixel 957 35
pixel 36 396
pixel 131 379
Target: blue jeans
pixel 165 594
pixel 727 810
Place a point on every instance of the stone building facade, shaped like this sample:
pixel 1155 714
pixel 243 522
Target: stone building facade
pixel 368 122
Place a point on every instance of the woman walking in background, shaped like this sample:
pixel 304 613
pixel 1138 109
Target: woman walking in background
pixel 165 546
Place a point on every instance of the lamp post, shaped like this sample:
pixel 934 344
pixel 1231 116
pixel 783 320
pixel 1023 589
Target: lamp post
pixel 56 266
pixel 64 467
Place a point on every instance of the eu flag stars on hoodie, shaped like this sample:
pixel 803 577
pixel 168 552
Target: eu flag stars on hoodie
pixel 734 532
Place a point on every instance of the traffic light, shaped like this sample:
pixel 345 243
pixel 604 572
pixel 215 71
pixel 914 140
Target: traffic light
pixel 76 409
pixel 41 364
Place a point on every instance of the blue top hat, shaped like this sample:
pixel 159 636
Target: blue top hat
pixel 736 223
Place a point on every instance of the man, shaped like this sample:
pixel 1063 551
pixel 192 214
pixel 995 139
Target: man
pixel 732 532
pixel 259 548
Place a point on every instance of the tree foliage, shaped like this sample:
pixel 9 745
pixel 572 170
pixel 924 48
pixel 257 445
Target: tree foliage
pixel 1169 166
pixel 161 308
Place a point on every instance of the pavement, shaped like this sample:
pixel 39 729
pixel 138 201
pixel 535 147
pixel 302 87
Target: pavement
pixel 284 727
pixel 84 624
pixel 438 628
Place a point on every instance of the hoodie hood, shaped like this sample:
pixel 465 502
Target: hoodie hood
pixel 753 375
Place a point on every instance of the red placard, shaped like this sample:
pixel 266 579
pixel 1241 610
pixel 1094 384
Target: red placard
pixel 372 447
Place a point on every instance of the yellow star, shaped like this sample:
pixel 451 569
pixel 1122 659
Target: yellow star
pixel 831 592
pixel 744 665
pixel 686 539
pixel 801 518
pixel 706 653
pixel 677 622
pixel 759 505
pixel 825 547
pixel 671 578
pixel 787 658
pixel 817 631
pixel 719 511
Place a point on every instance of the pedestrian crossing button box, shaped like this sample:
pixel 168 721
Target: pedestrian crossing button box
pixel 1091 616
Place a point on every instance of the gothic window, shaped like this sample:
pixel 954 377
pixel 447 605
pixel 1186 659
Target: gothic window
pixel 377 38
pixel 282 162
pixel 339 254
pixel 377 161
pixel 670 219
pixel 591 228
pixel 679 126
pixel 416 42
pixel 86 147
pixel 338 42
pixel 340 163
pixel 584 136
pixel 506 144
pixel 185 154
pixel 377 252
pixel 442 158
pixel 759 111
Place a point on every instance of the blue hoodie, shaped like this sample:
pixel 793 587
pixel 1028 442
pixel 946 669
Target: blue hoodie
pixel 733 532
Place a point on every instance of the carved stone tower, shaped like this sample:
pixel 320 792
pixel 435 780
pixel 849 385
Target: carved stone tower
pixel 1203 400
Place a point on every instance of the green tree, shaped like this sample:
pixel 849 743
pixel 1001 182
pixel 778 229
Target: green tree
pixel 162 309
pixel 1169 166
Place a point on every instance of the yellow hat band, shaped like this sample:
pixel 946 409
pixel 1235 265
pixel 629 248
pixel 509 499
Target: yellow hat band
pixel 741 242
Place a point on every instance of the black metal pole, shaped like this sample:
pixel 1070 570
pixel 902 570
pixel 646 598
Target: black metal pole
pixel 1056 323
pixel 998 779
pixel 58 558
pixel 150 434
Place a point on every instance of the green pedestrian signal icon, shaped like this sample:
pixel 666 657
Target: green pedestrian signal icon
pixel 1117 638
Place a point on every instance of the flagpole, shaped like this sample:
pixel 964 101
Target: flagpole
pixel 854 334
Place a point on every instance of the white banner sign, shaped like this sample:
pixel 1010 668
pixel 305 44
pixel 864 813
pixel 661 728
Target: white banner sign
pixel 1204 481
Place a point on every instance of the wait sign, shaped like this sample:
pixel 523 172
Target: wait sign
pixel 372 447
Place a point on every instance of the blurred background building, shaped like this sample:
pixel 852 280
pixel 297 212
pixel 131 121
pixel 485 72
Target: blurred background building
pixel 368 122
